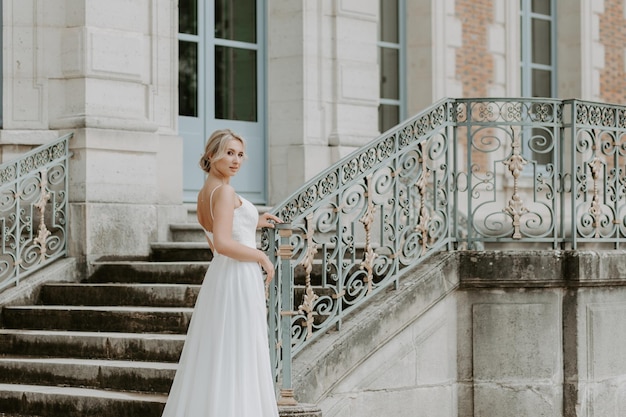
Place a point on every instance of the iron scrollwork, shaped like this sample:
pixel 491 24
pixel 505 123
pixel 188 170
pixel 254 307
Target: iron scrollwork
pixel 464 173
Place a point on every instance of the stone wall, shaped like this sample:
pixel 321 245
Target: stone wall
pixel 544 331
pixel 489 334
pixel 612 28
pixel 323 86
pixel 110 77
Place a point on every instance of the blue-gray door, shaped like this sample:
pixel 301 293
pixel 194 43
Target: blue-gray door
pixel 221 85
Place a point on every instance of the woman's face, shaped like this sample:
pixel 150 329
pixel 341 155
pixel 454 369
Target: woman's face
pixel 229 164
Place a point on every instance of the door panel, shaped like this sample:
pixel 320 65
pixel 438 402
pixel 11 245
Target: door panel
pixel 229 76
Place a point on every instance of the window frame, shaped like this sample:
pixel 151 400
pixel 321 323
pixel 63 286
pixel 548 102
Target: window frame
pixel 526 64
pixel 400 102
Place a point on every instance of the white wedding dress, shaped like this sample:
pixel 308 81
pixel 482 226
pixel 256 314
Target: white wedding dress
pixel 224 369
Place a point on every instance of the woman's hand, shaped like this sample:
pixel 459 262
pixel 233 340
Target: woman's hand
pixel 267 220
pixel 267 266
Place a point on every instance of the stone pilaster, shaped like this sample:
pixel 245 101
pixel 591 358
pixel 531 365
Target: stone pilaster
pixel 323 86
pixel 110 78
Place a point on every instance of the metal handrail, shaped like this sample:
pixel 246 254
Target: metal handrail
pixel 463 173
pixel 33 210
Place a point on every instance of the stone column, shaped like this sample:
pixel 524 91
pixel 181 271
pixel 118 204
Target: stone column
pixel 323 86
pixel 580 54
pixel 25 84
pixel 433 36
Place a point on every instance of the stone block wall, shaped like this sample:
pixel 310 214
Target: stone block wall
pixel 540 333
pixel 110 79
pixel 481 334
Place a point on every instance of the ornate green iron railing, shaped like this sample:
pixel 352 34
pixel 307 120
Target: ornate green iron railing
pixel 464 173
pixel 33 210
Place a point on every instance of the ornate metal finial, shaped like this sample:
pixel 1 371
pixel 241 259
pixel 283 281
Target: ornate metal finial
pixel 308 300
pixel 367 219
pixel 423 219
pixel 43 233
pixel 596 210
pixel 516 207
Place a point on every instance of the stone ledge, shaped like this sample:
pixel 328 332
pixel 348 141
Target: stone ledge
pixel 541 269
pixel 300 410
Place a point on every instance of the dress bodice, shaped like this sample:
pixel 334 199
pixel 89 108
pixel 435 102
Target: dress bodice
pixel 245 219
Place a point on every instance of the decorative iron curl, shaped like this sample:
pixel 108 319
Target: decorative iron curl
pixel 8 173
pixel 541 112
pixel 514 112
pixel 350 170
pixel 33 203
pixel 621 118
pixel 405 136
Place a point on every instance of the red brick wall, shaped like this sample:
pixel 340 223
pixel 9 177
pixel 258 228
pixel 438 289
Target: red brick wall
pixel 613 37
pixel 474 63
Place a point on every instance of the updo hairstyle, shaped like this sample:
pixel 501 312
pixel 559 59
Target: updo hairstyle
pixel 215 148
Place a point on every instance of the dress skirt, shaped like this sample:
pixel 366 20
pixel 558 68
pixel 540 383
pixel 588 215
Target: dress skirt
pixel 224 369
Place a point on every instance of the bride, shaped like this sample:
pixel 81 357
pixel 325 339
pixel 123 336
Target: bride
pixel 224 369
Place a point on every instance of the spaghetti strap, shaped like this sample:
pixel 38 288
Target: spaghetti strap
pixel 211 200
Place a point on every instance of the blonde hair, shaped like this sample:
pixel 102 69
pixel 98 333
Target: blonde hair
pixel 215 147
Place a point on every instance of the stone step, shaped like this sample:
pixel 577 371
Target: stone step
pixel 187 232
pixel 119 294
pixel 52 401
pixel 153 377
pixel 92 345
pixel 180 252
pixel 149 272
pixel 192 212
pixel 98 318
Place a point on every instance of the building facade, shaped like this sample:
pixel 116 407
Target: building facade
pixel 142 83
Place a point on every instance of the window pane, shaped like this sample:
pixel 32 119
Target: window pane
pixel 237 23
pixel 188 17
pixel 389 21
pixel 389 73
pixel 188 78
pixel 388 117
pixel 235 84
pixel 541 6
pixel 541 42
pixel 541 83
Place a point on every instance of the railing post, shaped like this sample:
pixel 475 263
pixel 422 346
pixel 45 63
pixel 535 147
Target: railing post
pixel 272 295
pixel 285 252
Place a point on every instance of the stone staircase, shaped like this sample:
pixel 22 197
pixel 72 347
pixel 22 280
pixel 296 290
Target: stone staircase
pixel 107 346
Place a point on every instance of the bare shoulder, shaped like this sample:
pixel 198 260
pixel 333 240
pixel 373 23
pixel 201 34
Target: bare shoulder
pixel 223 194
pixel 211 194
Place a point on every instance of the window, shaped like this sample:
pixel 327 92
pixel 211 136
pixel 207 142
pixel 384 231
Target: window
pixel 538 67
pixel 391 62
pixel 188 58
pixel 236 73
pixel 221 85
pixel 538 48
